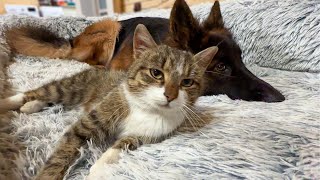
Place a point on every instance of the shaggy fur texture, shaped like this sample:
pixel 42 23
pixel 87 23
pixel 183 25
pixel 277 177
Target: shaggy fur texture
pixel 253 140
pixel 10 147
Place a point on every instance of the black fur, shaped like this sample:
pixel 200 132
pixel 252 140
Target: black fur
pixel 186 33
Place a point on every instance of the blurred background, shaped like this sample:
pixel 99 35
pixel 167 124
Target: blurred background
pixel 46 8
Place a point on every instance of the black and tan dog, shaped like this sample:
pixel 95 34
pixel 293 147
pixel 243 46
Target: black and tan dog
pixel 226 74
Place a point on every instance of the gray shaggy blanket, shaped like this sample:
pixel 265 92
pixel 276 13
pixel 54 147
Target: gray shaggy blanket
pixel 252 140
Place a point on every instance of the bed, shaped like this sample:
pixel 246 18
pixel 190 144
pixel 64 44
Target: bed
pixel 246 140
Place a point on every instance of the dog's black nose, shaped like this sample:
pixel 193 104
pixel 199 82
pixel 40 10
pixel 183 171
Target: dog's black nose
pixel 267 93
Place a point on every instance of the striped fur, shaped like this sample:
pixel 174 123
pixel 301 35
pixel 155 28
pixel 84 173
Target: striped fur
pixel 134 108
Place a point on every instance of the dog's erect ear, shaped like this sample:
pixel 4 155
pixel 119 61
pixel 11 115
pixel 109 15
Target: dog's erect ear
pixel 142 40
pixel 214 19
pixel 183 25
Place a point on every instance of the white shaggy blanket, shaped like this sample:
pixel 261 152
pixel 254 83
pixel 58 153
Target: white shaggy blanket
pixel 252 140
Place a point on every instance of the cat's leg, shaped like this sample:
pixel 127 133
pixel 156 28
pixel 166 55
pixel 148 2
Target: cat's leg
pixel 33 106
pixel 112 155
pixel 11 103
pixel 125 143
pixel 69 91
pixel 29 102
pixel 67 150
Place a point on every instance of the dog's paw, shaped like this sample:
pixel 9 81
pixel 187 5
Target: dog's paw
pixel 33 106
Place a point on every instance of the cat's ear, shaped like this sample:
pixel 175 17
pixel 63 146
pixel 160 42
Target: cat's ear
pixel 204 58
pixel 142 40
pixel 214 19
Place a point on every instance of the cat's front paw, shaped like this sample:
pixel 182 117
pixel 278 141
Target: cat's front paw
pixel 127 143
pixel 11 103
pixel 111 156
pixel 33 106
pixel 96 172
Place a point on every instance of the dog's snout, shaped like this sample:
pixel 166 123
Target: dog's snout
pixel 268 94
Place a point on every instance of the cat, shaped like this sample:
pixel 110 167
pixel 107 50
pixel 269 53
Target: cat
pixel 144 105
pixel 95 45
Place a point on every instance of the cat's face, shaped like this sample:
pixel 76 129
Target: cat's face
pixel 165 78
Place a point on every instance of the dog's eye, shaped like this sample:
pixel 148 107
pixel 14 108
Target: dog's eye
pixel 220 67
pixel 187 82
pixel 157 74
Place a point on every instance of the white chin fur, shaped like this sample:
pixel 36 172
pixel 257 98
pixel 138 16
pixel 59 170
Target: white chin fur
pixel 148 117
pixel 154 96
pixel 153 99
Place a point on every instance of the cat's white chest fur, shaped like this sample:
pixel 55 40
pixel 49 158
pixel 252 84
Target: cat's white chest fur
pixel 146 118
pixel 150 124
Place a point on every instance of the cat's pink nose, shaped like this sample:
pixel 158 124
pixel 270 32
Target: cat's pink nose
pixel 170 97
pixel 171 92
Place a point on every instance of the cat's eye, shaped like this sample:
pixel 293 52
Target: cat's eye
pixel 220 67
pixel 187 82
pixel 157 74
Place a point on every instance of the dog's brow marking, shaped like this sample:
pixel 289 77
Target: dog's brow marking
pixel 219 43
pixel 220 74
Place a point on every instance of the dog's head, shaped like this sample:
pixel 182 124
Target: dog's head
pixel 226 74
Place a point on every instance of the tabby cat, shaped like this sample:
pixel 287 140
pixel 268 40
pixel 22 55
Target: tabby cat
pixel 145 105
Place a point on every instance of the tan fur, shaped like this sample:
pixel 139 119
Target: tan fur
pixel 20 42
pixel 94 46
pixel 5 60
pixel 124 57
pixel 10 148
pixel 105 97
pixel 6 105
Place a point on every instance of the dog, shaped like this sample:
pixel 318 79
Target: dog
pixel 226 74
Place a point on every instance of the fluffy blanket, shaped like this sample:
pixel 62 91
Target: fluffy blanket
pixel 253 140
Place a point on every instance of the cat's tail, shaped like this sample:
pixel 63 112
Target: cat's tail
pixel 37 41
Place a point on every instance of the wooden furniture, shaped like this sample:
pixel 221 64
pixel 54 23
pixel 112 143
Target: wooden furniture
pixel 129 5
pixel 88 8
pixel 21 2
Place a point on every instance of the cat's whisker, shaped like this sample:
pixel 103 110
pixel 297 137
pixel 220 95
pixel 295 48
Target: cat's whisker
pixel 135 93
pixel 199 124
pixel 194 121
pixel 119 107
pixel 119 117
pixel 189 118
pixel 204 134
pixel 197 117
pixel 198 129
pixel 191 105
pixel 220 43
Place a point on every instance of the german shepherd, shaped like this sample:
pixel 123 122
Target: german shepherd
pixel 225 75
